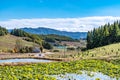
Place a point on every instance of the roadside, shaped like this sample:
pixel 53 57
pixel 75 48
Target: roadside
pixel 28 55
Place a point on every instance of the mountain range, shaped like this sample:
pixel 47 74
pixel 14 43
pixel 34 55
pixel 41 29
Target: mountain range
pixel 46 31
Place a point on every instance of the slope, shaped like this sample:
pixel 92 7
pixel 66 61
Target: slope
pixel 108 52
pixel 112 50
pixel 8 42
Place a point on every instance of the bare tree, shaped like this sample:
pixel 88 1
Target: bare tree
pixel 18 45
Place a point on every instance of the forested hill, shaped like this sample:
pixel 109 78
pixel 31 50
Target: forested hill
pixel 45 31
pixel 48 38
pixel 3 31
pixel 104 35
pixel 54 37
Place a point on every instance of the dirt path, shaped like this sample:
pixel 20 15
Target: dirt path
pixel 27 55
pixel 18 55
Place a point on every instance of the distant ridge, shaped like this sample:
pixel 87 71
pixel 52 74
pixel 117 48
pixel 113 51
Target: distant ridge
pixel 45 31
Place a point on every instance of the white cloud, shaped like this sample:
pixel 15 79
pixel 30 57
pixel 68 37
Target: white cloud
pixel 67 24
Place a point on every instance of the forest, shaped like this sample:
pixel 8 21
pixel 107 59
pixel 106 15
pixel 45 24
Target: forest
pixel 3 31
pixel 104 35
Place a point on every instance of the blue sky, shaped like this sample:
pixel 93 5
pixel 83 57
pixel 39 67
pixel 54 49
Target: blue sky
pixel 10 9
pixel 14 13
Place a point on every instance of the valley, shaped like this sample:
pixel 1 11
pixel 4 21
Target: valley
pixel 67 57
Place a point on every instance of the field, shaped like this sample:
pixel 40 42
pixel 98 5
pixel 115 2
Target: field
pixel 106 52
pixel 104 59
pixel 42 71
pixel 8 42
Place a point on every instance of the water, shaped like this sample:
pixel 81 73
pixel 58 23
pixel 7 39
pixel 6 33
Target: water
pixel 23 60
pixel 61 48
pixel 84 76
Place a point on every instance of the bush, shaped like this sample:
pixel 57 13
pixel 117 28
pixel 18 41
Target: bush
pixel 83 49
pixel 49 39
pixel 46 45
pixel 3 31
pixel 41 48
pixel 26 49
pixel 70 48
pixel 97 79
pixel 55 50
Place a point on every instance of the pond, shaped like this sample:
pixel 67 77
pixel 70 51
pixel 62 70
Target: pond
pixel 60 47
pixel 24 60
pixel 84 75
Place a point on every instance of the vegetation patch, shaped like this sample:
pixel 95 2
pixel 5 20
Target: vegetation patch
pixel 40 70
pixel 104 35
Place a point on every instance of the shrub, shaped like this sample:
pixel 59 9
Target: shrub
pixel 26 49
pixel 97 79
pixel 47 45
pixel 70 48
pixel 41 48
pixel 55 50
pixel 3 31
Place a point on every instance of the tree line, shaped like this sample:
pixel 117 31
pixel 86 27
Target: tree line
pixel 104 35
pixel 3 31
pixel 54 37
pixel 31 38
pixel 42 40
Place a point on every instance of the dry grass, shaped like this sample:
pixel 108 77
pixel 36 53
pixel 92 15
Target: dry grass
pixel 106 52
pixel 8 42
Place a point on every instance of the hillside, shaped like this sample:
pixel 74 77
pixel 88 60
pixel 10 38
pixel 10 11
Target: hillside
pixel 54 37
pixel 108 52
pixel 45 31
pixel 7 42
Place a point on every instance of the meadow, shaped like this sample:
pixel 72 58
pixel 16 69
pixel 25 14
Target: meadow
pixel 107 52
pixel 8 42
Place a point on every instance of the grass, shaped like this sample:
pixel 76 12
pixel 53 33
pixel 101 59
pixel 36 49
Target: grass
pixel 110 51
pixel 40 71
pixel 106 52
pixel 8 42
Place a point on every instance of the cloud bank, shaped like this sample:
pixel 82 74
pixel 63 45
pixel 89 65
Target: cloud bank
pixel 83 24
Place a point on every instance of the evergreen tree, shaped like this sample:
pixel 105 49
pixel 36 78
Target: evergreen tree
pixel 89 40
pixel 3 31
pixel 104 35
pixel 19 32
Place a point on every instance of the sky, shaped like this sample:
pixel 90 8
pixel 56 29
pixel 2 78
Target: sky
pixel 66 15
